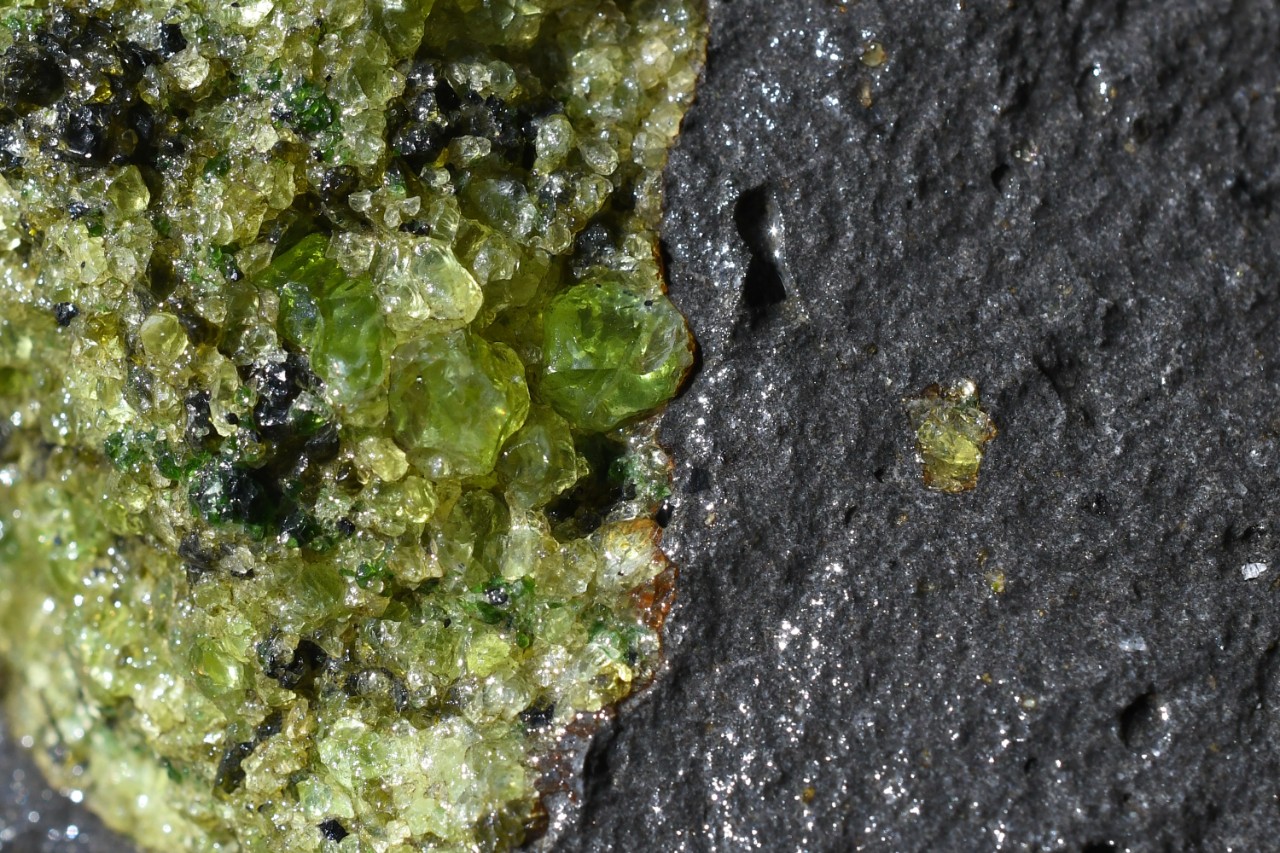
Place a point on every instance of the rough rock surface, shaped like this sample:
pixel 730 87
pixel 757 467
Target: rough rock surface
pixel 1074 205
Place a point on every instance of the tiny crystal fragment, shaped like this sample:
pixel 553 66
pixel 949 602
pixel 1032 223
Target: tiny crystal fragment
pixel 951 432
pixel 331 332
pixel 1253 571
pixel 875 55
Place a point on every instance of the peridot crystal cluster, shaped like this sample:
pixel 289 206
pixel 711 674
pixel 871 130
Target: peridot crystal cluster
pixel 330 333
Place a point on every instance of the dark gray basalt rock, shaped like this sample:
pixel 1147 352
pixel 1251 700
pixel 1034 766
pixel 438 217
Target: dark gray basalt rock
pixel 1074 205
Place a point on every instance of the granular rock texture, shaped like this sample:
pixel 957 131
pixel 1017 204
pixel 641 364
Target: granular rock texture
pixel 1074 205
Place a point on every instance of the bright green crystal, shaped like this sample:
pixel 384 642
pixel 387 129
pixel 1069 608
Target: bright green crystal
pixel 337 320
pixel 329 335
pixel 611 351
pixel 455 400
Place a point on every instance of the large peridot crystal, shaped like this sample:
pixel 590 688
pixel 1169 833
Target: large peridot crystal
pixel 612 351
pixel 337 320
pixel 455 400
pixel 330 333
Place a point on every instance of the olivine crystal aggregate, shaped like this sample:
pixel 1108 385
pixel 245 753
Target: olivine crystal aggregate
pixel 328 334
pixel 952 431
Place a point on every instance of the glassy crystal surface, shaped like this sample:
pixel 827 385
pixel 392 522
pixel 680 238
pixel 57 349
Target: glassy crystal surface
pixel 951 431
pixel 611 352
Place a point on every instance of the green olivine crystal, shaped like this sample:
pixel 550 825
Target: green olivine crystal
pixel 951 431
pixel 455 400
pixel 540 461
pixel 611 352
pixel 337 321
pixel 315 412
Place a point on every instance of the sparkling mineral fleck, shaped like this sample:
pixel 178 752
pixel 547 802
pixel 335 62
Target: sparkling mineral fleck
pixel 951 432
pixel 1252 571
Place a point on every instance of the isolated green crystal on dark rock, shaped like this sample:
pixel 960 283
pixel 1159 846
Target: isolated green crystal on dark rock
pixel 326 472
pixel 952 430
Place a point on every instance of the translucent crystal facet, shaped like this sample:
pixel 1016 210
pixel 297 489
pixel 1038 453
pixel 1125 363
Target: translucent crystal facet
pixel 611 352
pixel 951 432
pixel 455 400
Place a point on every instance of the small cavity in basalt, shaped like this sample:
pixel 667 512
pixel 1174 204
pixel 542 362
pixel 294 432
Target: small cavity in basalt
pixel 330 333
